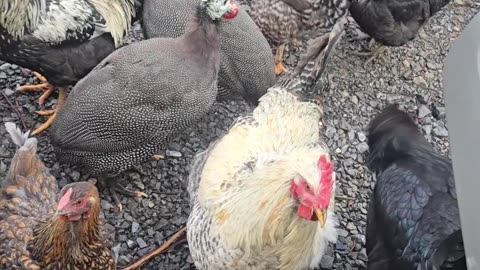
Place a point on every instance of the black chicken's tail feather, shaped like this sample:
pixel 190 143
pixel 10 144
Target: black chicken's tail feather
pixel 450 255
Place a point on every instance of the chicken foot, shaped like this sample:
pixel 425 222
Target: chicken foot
pixel 114 187
pixel 279 67
pixel 51 113
pixel 373 53
pixel 157 251
pixel 48 90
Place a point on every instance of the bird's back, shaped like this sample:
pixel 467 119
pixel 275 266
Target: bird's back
pixel 394 22
pixel 246 66
pixel 27 197
pixel 132 102
pixel 413 209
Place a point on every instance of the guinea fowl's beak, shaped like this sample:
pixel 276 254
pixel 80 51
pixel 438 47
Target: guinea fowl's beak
pixel 322 217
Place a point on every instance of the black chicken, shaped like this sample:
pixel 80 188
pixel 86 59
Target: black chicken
pixel 61 39
pixel 413 219
pixel 393 22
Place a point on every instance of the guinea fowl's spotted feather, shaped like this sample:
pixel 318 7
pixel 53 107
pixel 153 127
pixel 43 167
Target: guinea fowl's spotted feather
pixel 136 99
pixel 413 219
pixel 224 230
pixel 246 60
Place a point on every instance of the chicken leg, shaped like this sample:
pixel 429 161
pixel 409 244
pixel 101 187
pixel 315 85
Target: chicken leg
pixel 373 53
pixel 48 90
pixel 279 67
pixel 51 113
pixel 115 187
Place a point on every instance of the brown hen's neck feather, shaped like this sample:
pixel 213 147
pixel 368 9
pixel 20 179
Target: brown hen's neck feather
pixel 54 240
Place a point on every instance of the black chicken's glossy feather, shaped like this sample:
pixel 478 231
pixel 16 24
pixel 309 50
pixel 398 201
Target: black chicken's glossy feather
pixel 394 22
pixel 413 219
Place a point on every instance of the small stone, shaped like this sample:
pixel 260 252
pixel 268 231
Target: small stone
pixel 135 227
pixel 361 136
pixel 130 243
pixel 105 205
pixel 172 153
pixel 141 243
pixel 362 147
pixel 423 111
pixel 326 262
pixel 9 92
pixel 440 131
pixel 3 167
pixel 427 129
pixel 420 81
pixel 75 176
pixel 3 75
pixel 116 250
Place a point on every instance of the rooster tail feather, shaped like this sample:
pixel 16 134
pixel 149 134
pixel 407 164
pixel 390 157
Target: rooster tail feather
pixel 20 139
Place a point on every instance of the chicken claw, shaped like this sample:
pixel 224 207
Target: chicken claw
pixel 51 113
pixel 44 85
pixel 373 53
pixel 115 187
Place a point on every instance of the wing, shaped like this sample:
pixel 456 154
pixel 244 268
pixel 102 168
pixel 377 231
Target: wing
pixel 413 218
pixel 158 107
pixel 27 196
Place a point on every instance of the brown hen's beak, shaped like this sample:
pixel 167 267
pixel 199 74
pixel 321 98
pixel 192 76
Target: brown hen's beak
pixel 322 217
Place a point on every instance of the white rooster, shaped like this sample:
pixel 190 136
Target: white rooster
pixel 262 197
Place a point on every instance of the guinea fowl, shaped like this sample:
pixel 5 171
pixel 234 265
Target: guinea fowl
pixel 140 96
pixel 393 22
pixel 246 62
pixel 285 21
pixel 36 232
pixel 62 39
pixel 413 222
pixel 263 195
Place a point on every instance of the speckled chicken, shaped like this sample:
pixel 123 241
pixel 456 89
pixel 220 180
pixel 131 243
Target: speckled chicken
pixel 285 21
pixel 246 61
pixel 61 39
pixel 413 221
pixel 140 96
pixel 393 22
pixel 263 196
pixel 39 232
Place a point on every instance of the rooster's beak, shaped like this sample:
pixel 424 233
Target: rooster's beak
pixel 322 217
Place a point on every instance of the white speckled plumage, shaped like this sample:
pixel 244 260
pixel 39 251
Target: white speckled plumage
pixel 243 215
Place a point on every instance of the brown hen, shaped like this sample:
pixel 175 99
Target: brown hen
pixel 36 232
pixel 285 21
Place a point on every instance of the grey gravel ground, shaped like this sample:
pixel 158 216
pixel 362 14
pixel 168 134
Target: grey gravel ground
pixel 410 75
